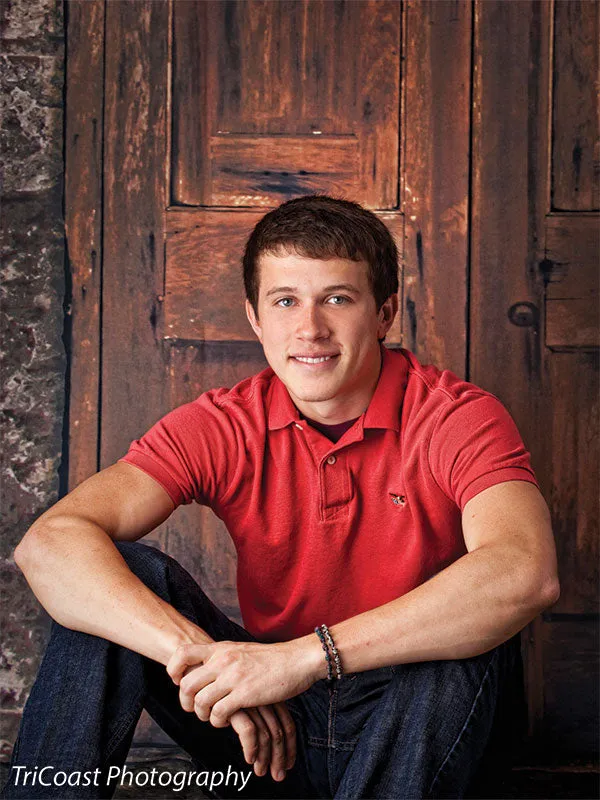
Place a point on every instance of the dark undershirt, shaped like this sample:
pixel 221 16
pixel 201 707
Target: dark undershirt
pixel 332 432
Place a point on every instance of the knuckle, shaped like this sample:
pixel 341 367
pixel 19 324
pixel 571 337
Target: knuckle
pixel 247 727
pixel 263 736
pixel 277 736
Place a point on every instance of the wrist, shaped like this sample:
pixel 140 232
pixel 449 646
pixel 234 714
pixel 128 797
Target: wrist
pixel 312 657
pixel 181 631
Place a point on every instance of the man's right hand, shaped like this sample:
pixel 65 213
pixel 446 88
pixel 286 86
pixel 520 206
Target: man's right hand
pixel 268 738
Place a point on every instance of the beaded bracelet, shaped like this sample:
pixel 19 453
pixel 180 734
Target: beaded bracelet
pixel 321 636
pixel 330 651
pixel 334 652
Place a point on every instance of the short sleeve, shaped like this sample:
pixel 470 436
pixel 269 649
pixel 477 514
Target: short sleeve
pixel 475 444
pixel 190 452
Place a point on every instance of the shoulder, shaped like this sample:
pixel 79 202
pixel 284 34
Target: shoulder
pixel 246 400
pixel 433 393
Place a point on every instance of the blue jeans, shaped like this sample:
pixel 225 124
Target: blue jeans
pixel 407 731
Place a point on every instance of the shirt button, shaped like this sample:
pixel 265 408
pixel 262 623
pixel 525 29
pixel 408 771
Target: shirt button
pixel 331 460
pixel 298 426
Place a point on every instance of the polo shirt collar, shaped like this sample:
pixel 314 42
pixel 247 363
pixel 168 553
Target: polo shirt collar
pixel 383 410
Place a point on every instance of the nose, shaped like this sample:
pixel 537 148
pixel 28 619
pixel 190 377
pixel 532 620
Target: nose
pixel 312 324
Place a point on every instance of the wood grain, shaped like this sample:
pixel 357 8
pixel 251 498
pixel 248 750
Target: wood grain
pixel 573 282
pixel 133 369
pixel 267 170
pixel 83 224
pixel 573 495
pixel 508 210
pixel 285 69
pixel 204 291
pixel 575 113
pixel 435 180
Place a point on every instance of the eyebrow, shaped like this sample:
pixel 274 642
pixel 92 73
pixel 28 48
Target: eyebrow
pixel 336 287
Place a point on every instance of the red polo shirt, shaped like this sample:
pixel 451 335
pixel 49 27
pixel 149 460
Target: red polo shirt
pixel 327 530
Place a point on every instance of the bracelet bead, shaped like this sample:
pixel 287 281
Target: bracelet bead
pixel 334 652
pixel 323 641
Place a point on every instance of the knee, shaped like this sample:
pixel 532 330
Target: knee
pixel 138 555
pixel 149 564
pixel 159 571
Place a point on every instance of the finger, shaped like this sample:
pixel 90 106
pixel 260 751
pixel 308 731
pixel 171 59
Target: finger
pixel 204 701
pixel 194 682
pixel 263 757
pixel 222 708
pixel 243 724
pixel 289 730
pixel 278 744
pixel 185 656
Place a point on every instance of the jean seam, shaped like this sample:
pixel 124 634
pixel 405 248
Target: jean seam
pixel 331 737
pixel 314 740
pixel 117 735
pixel 484 679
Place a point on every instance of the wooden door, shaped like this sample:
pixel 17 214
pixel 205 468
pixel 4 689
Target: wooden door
pixel 187 120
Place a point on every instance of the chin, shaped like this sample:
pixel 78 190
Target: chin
pixel 310 395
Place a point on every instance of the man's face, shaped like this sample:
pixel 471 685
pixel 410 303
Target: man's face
pixel 319 327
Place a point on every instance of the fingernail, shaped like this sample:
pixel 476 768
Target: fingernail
pixel 280 775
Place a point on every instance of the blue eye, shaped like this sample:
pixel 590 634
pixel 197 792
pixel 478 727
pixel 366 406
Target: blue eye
pixel 340 298
pixel 284 300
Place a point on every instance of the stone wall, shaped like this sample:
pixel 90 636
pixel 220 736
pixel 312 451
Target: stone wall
pixel 32 320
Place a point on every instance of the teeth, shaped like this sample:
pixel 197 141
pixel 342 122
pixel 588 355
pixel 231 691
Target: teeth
pixel 313 360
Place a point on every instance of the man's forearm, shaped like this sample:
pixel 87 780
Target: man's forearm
pixel 473 605
pixel 83 582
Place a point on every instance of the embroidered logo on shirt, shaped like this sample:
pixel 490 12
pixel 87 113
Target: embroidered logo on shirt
pixel 398 499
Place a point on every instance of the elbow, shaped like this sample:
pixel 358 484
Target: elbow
pixel 543 592
pixel 550 593
pixel 32 551
pixel 24 553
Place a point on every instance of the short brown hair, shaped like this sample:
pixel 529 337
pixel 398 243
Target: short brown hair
pixel 318 226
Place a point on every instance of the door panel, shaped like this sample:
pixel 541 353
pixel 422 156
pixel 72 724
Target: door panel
pixel 273 100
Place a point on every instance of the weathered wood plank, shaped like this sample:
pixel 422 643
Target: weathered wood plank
pixel 573 323
pixel 267 170
pixel 377 99
pixel 133 372
pixel 83 224
pixel 204 290
pixel 574 481
pixel 192 111
pixel 575 174
pixel 435 180
pixel 508 211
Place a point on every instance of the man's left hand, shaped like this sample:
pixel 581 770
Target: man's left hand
pixel 217 679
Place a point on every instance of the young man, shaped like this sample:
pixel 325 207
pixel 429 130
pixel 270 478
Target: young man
pixel 391 503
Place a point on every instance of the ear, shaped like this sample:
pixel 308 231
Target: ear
pixel 386 315
pixel 253 320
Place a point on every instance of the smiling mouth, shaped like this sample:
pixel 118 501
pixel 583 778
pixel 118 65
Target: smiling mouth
pixel 313 360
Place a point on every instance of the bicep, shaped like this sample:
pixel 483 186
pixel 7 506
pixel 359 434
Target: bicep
pixel 121 499
pixel 514 515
